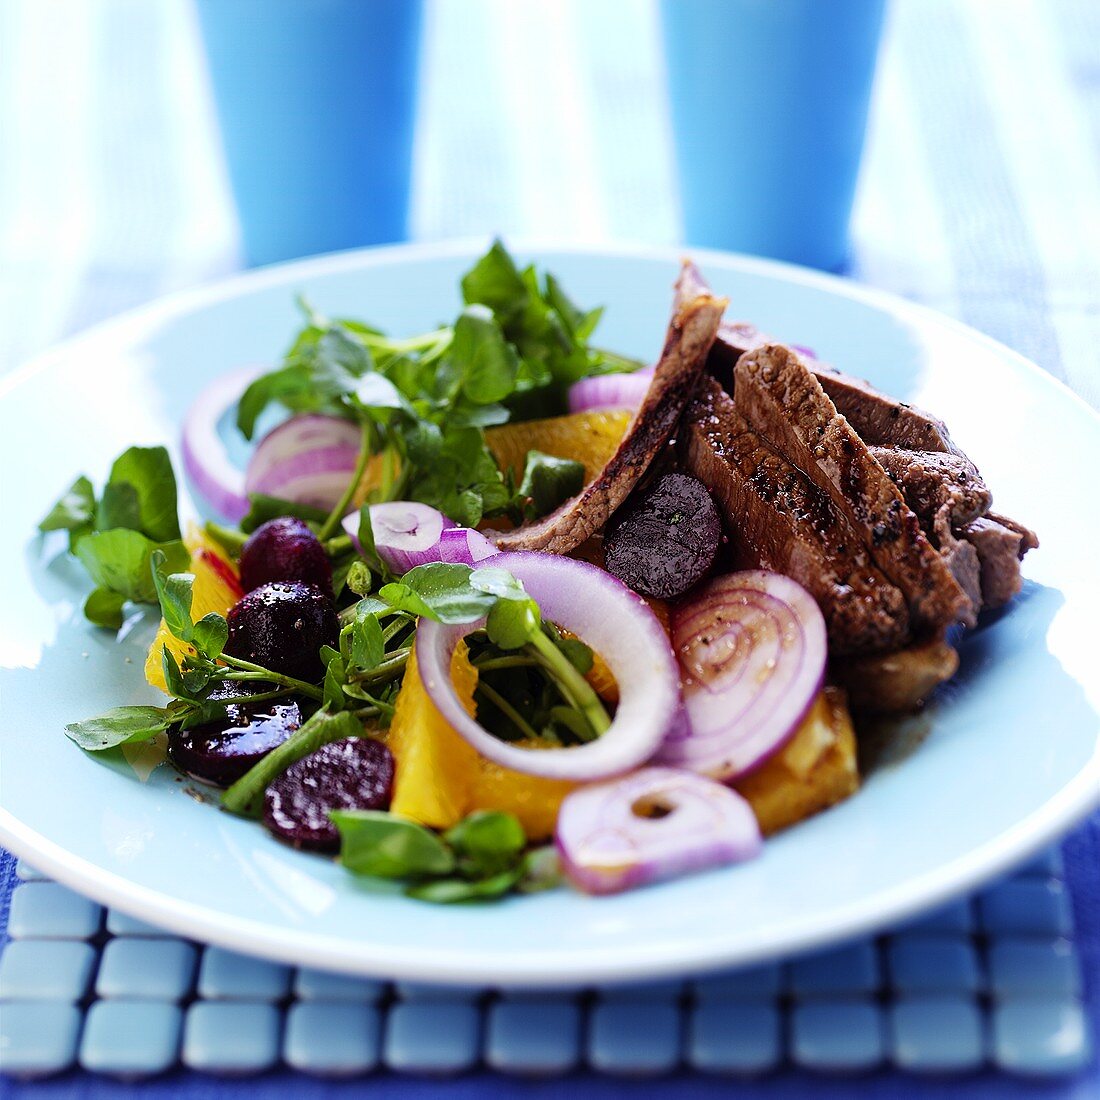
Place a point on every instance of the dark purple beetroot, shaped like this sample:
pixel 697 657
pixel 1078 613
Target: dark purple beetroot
pixel 282 626
pixel 284 549
pixel 665 538
pixel 220 752
pixel 353 774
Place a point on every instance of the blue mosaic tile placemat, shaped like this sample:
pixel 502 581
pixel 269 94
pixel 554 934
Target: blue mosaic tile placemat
pixel 993 981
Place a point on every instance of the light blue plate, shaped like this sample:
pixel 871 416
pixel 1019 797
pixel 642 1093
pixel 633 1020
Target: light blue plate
pixel 1005 760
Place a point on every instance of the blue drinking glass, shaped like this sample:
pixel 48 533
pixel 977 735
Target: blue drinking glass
pixel 769 106
pixel 317 103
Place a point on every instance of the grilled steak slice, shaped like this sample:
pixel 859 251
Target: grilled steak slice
pixel 894 682
pixel 777 519
pixel 690 336
pixel 933 480
pixel 1000 544
pixel 785 403
pixel 877 418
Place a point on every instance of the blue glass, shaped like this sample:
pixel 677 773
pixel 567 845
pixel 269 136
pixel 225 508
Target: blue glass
pixel 769 106
pixel 316 100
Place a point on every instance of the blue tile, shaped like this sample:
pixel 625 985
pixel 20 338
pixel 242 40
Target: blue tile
pixel 533 1036
pixel 933 964
pixel 750 983
pixel 44 910
pixel 842 1036
pixel 419 991
pixel 46 970
pixel 120 924
pixel 1048 864
pixel 131 1038
pixel 333 1039
pixel 1028 907
pixel 320 985
pixel 634 1038
pixel 733 1036
pixel 852 968
pixel 38 1038
pixel 937 1034
pixel 227 976
pixel 1041 1036
pixel 156 970
pixel 432 1037
pixel 1018 966
pixel 26 873
pixel 238 1038
pixel 957 916
pixel 669 989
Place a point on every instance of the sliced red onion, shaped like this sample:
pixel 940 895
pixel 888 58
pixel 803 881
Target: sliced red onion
pixel 807 353
pixel 308 459
pixel 206 461
pixel 655 824
pixel 407 534
pixel 752 651
pixel 610 391
pixel 615 622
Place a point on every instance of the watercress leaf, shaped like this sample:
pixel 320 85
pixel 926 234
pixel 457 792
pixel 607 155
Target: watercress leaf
pixel 173 677
pixel 246 795
pixel 276 385
pixel 148 470
pixel 541 870
pixel 489 840
pixel 495 581
pixel 174 594
pixel 574 721
pixel 376 391
pixel 577 654
pixel 104 608
pixel 570 315
pixel 511 624
pixel 478 416
pixel 196 681
pixel 449 891
pixel 74 509
pixel 121 560
pixel 439 590
pixel 119 726
pixel 262 508
pixel 487 364
pixel 119 506
pixel 549 481
pixel 385 846
pixel 368 550
pixel 210 634
pixel 367 646
pixel 495 282
pixel 335 678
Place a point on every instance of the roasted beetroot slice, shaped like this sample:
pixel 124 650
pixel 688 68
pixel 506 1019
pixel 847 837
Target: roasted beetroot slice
pixel 666 539
pixel 284 549
pixel 282 626
pixel 221 752
pixel 353 774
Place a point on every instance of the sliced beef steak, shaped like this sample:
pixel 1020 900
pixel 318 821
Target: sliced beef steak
pixel 1000 544
pixel 785 403
pixel 690 336
pixel 931 481
pixel 779 520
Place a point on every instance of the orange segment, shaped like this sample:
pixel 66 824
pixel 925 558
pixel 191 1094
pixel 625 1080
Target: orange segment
pixel 217 588
pixel 588 437
pixel 435 767
pixel 440 778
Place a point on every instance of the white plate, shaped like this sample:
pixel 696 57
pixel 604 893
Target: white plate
pixel 1006 759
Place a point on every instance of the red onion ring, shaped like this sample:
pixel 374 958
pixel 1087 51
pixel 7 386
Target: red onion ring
pixel 752 653
pixel 655 824
pixel 610 391
pixel 308 459
pixel 606 615
pixel 407 534
pixel 206 462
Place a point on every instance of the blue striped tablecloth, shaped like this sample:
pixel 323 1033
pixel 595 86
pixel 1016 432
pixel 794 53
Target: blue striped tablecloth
pixel 980 197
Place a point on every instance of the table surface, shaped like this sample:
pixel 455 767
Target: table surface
pixel 980 197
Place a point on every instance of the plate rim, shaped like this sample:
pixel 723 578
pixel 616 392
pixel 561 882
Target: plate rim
pixel 300 948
